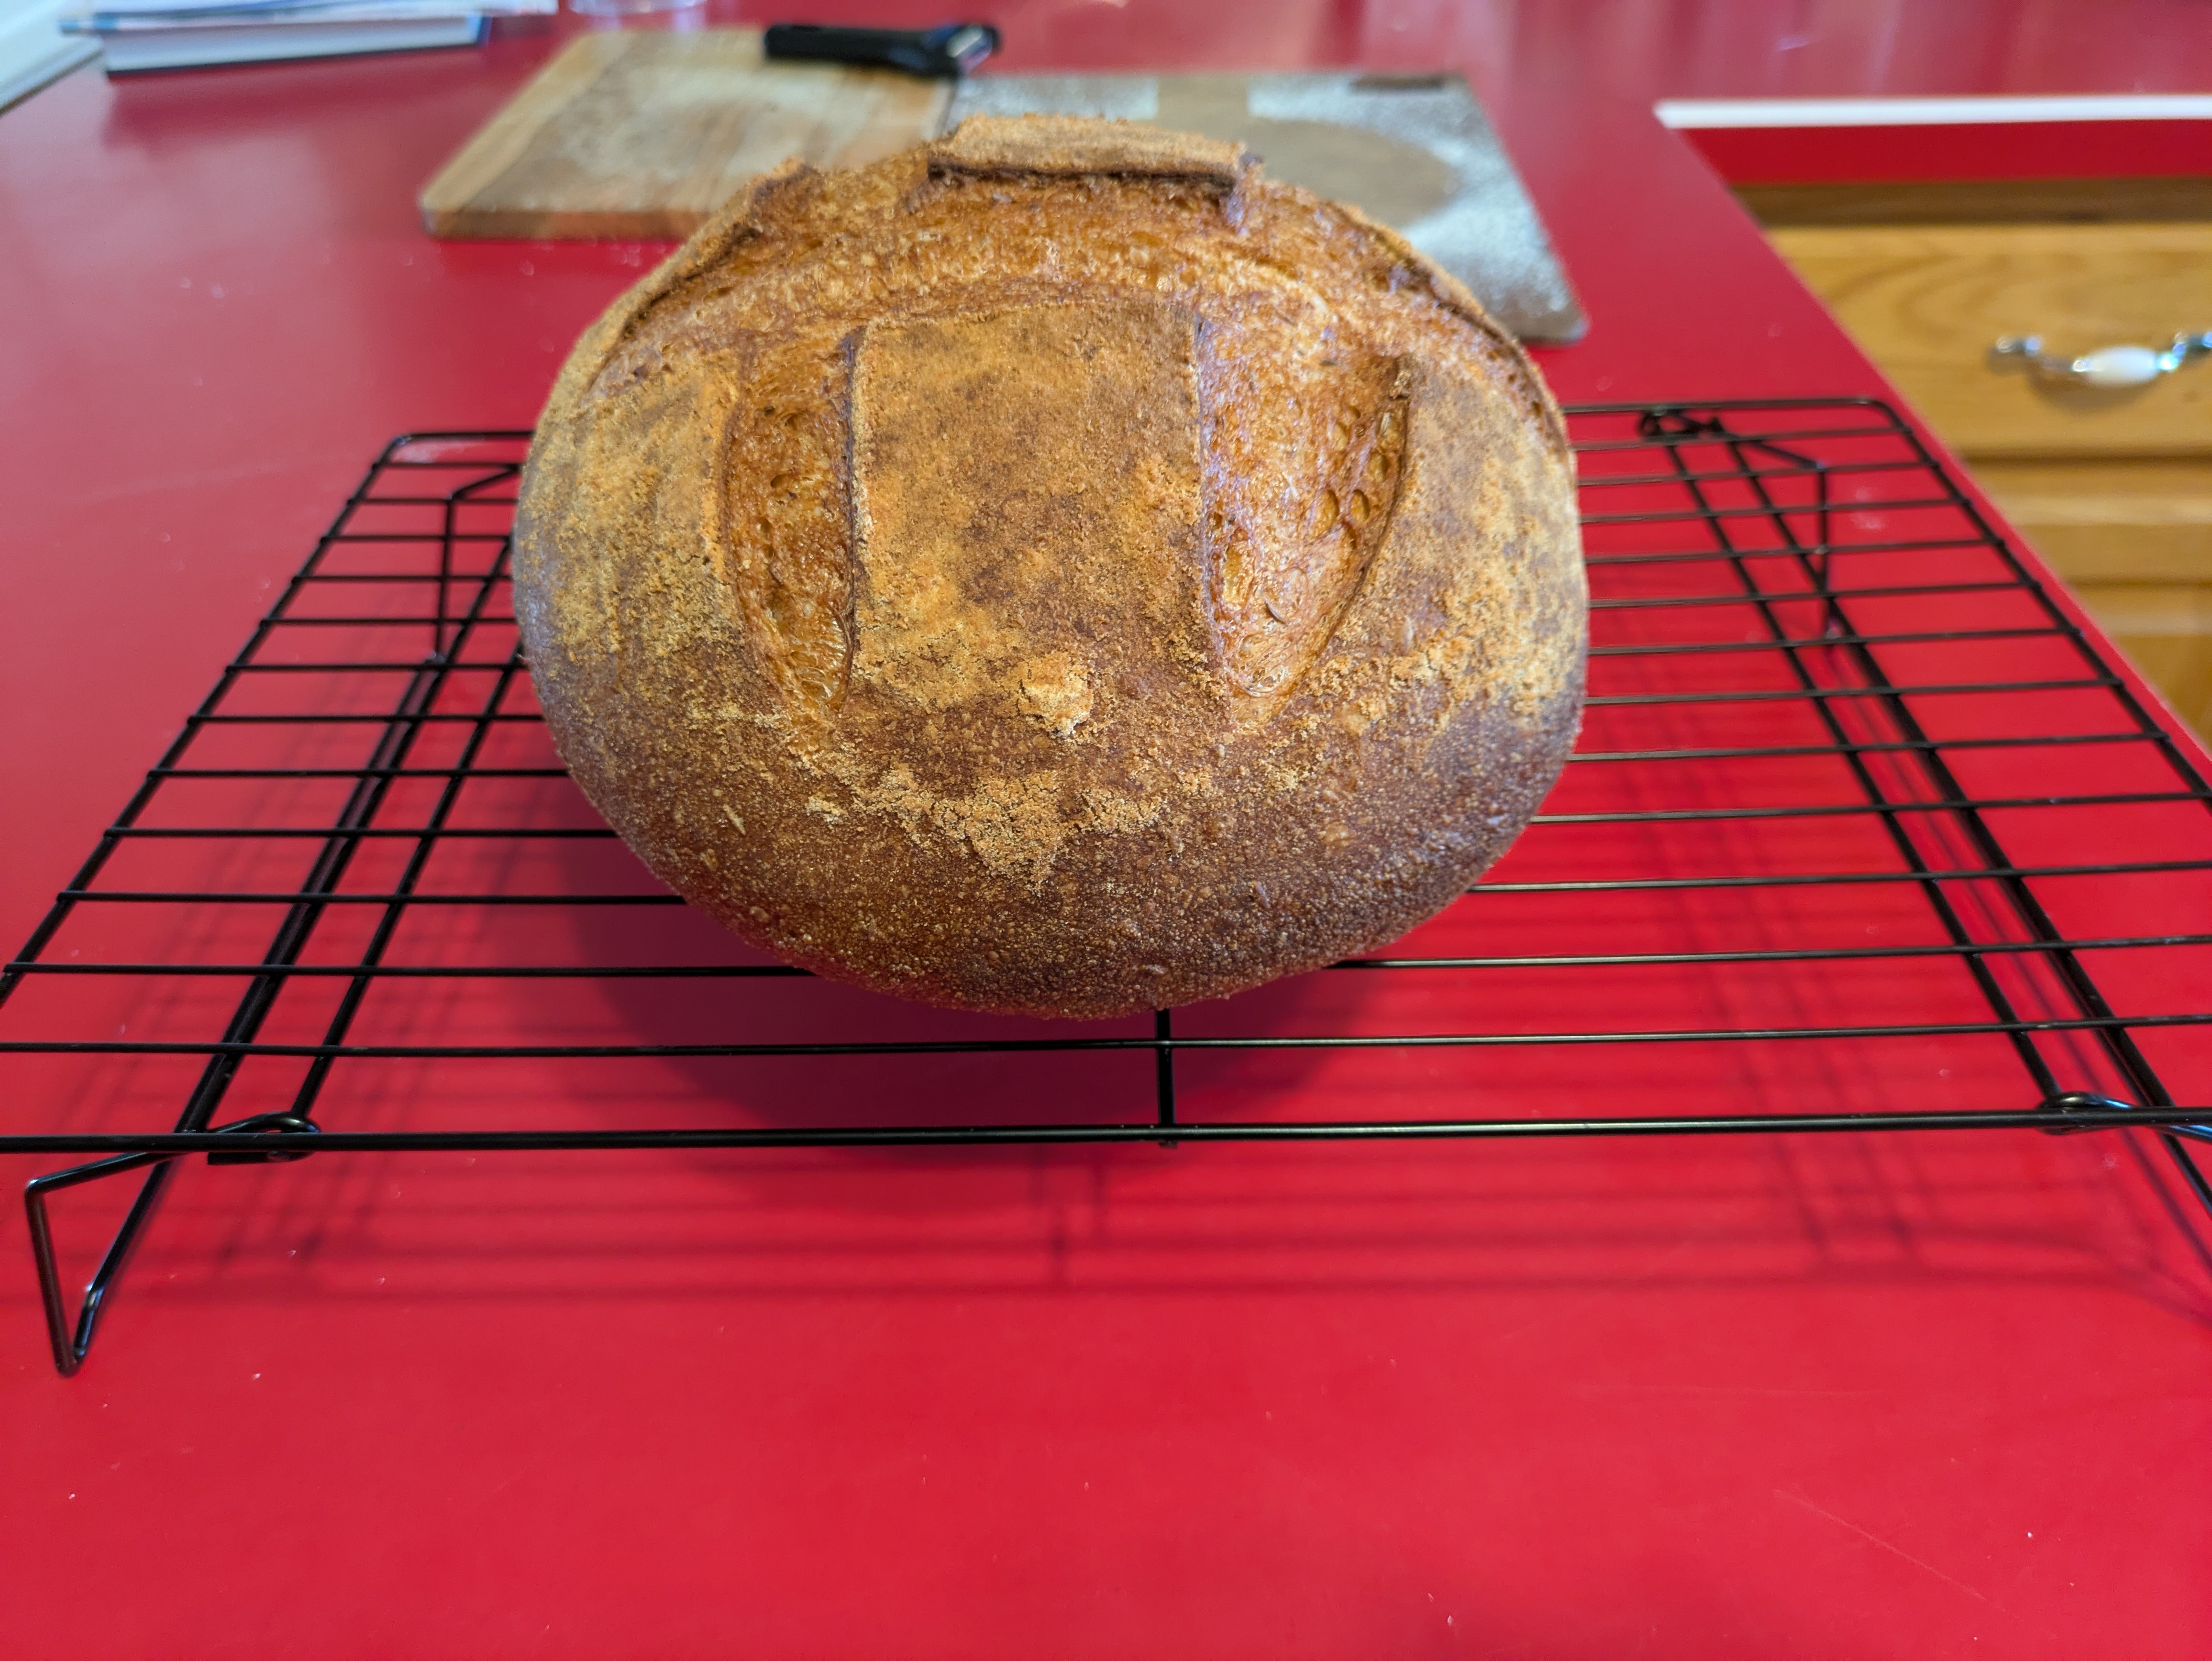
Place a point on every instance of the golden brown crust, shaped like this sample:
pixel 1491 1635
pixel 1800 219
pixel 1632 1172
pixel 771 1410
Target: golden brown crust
pixel 1050 146
pixel 1054 571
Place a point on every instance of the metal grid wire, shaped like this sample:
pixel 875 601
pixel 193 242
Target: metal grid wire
pixel 1817 864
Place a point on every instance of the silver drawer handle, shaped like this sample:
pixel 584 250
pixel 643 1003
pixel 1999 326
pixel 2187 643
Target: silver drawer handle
pixel 2108 366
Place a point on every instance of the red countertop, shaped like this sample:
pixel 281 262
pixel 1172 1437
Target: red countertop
pixel 1589 1400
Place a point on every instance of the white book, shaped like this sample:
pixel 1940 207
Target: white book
pixel 190 46
pixel 121 14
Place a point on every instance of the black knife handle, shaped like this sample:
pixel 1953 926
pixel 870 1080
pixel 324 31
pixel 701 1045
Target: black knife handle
pixel 949 50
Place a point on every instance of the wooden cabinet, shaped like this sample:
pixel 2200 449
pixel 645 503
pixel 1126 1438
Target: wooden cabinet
pixel 1927 300
pixel 2113 488
pixel 2133 538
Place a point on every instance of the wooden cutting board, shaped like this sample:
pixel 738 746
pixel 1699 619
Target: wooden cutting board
pixel 642 133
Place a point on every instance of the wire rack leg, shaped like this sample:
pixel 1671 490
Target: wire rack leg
pixel 2176 1138
pixel 1163 1083
pixel 395 742
pixel 2192 1173
pixel 71 1342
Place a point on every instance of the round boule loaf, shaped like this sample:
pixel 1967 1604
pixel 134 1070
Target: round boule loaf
pixel 1054 571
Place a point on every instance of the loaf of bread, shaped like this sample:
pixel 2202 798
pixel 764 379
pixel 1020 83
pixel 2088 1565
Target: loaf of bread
pixel 1054 571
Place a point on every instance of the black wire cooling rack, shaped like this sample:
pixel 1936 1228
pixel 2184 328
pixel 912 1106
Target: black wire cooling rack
pixel 1864 833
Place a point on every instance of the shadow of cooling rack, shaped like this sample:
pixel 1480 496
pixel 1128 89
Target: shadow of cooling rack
pixel 1864 833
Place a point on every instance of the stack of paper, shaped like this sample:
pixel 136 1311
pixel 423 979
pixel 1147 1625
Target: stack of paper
pixel 163 35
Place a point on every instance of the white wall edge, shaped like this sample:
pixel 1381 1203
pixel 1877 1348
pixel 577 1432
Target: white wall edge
pixel 1696 112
